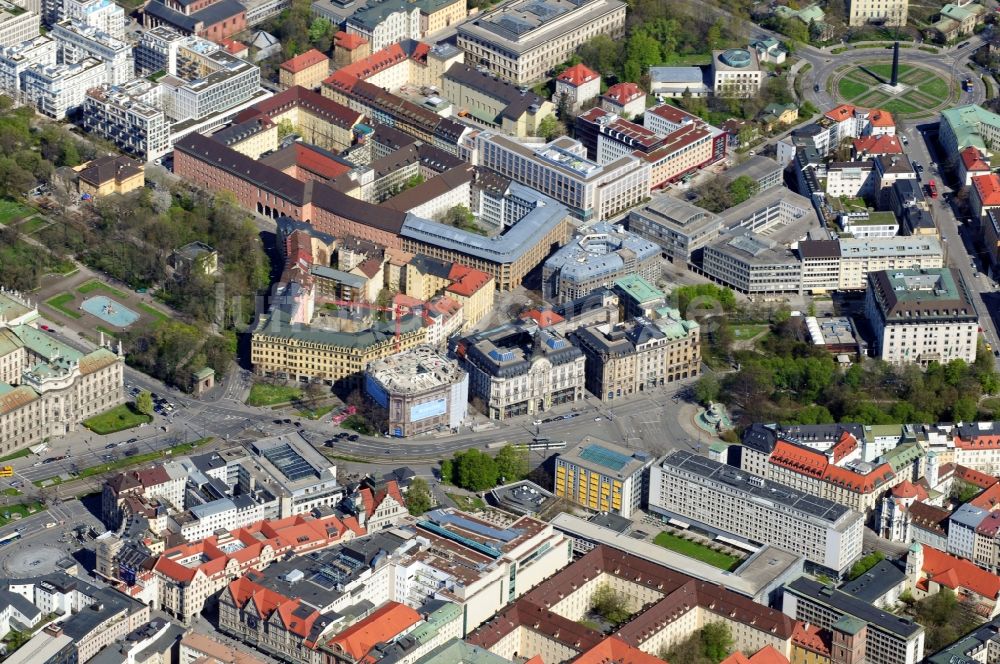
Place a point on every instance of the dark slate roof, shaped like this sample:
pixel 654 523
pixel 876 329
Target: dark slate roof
pixel 875 583
pixel 760 438
pixel 517 102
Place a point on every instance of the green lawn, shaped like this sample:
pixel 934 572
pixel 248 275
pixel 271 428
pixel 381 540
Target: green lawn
pixel 898 106
pixel 31 225
pixel 262 394
pixel 118 418
pixel 7 512
pixel 590 624
pixel 696 551
pixel 59 303
pixel 107 332
pixel 157 315
pixel 884 69
pixel 12 210
pixel 95 285
pixel 16 455
pixel 11 491
pixel 314 413
pixel 467 503
pixel 935 87
pixel 850 89
pixel 749 330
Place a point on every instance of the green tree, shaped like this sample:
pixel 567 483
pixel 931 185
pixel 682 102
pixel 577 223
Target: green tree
pixel 512 463
pixel 418 497
pixel 144 402
pixel 743 189
pixel 285 128
pixel 864 564
pixel 319 28
pixel 713 39
pixel 717 641
pixel 706 390
pixel 602 54
pixel 448 471
pixel 549 127
pixel 475 470
pixel 642 52
pixel 610 604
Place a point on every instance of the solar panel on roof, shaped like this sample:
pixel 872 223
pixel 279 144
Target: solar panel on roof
pixel 605 457
pixel 545 11
pixel 515 25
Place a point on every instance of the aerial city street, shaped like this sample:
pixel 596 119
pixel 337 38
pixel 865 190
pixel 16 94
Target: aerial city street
pixel 499 332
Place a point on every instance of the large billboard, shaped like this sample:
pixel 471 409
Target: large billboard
pixel 422 411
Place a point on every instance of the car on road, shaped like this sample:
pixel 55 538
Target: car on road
pixel 286 421
pixel 110 446
pixel 45 327
pixel 132 451
pixel 963 44
pixel 353 437
pixel 277 421
pixel 598 419
pixel 131 440
pixel 816 88
pixel 906 141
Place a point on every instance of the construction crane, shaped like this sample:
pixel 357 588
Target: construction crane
pixel 397 310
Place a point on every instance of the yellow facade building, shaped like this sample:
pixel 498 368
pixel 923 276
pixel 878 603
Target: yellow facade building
pixel 602 477
pixel 306 69
pixel 110 175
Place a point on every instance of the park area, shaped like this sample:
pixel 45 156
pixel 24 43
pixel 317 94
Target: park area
pixel 103 308
pixel 924 93
pixel 118 418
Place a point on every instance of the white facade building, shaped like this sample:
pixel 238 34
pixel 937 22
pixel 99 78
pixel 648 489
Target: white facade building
pixel 16 24
pixel 14 60
pixel 725 499
pixel 55 90
pixel 78 41
pixel 129 116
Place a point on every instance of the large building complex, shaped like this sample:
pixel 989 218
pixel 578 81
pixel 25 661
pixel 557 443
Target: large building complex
pixel 78 41
pixel 968 125
pixel 883 12
pixel 721 498
pixel 603 477
pixel 641 355
pixel 521 369
pixel 17 24
pixel 560 169
pixel 47 389
pixel 864 630
pixel 922 316
pixel 419 390
pixel 521 41
pixel 596 260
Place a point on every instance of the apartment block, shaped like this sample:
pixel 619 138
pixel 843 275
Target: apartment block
pixel 968 125
pixel 560 169
pixel 628 358
pixel 384 22
pixel 922 316
pixel 603 477
pixel 519 369
pixel 15 59
pixel 77 41
pixel 128 116
pixel 721 498
pixel 520 45
pixel 17 24
pixel 883 12
pixel 57 90
pixel 306 69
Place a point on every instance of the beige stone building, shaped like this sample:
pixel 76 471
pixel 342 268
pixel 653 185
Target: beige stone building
pixel 494 103
pixel 47 389
pixel 436 15
pixel 521 45
pixel 306 69
pixel 109 175
pixel 885 12
pixel 625 359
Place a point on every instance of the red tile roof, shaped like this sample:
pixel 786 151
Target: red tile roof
pixel 840 113
pixel 389 621
pixel 810 637
pixel 672 114
pixel 577 75
pixel 880 118
pixel 614 650
pixel 348 40
pixel 766 655
pixel 956 573
pixel 907 489
pixel 623 93
pixel 544 317
pixel 310 159
pixel 876 145
pixel 988 188
pixel 973 476
pixel 815 464
pixel 988 500
pixel 844 447
pixel 232 46
pixel 372 500
pixel 304 61
pixel 973 159
pixel 300 97
pixel 466 281
pixel 365 68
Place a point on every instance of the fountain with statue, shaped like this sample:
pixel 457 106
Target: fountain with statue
pixel 713 419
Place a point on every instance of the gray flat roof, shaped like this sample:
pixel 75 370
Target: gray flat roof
pixel 848 605
pixel 806 504
pixel 506 248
